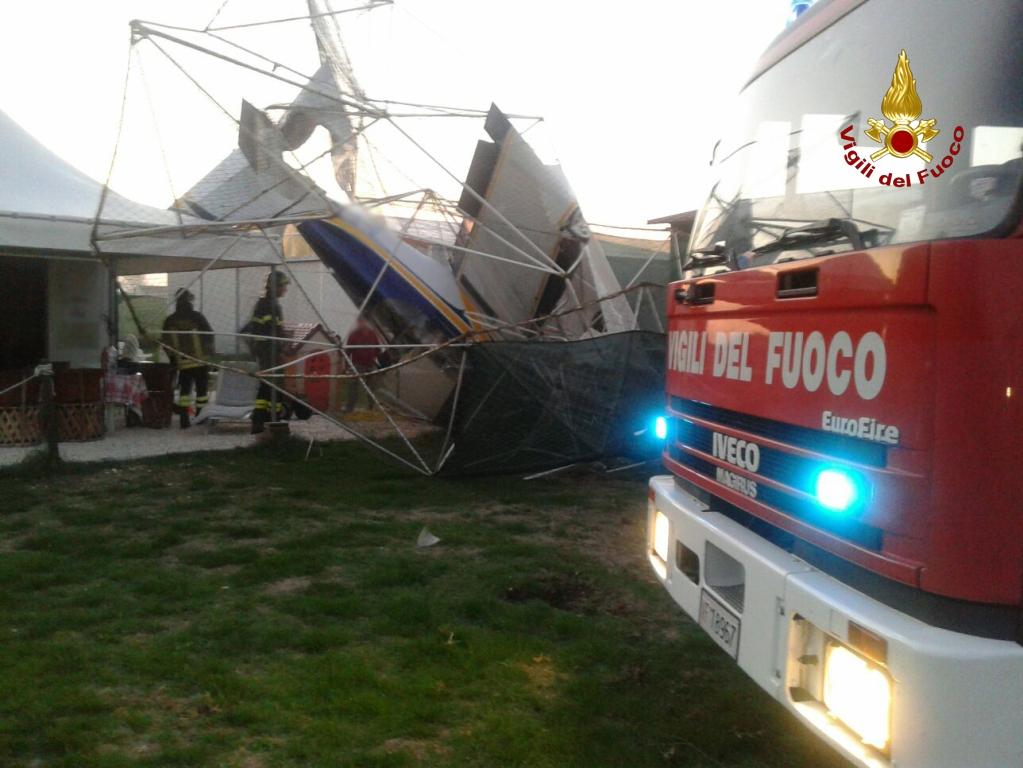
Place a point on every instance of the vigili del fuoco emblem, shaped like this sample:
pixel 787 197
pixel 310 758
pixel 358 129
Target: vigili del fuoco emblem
pixel 902 105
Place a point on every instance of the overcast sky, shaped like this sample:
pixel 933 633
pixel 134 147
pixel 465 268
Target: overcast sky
pixel 631 91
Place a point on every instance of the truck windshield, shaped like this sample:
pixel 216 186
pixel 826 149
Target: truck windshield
pixel 798 171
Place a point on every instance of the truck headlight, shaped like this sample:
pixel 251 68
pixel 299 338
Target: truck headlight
pixel 661 535
pixel 859 694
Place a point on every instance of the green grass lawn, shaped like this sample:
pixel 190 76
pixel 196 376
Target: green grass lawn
pixel 255 609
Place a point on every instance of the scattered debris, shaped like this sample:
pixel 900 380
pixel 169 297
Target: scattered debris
pixel 426 539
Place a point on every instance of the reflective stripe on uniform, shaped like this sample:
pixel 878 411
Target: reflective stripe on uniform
pixel 262 405
pixel 184 400
pixel 202 400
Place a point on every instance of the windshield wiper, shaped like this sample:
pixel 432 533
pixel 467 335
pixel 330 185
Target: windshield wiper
pixel 715 256
pixel 822 233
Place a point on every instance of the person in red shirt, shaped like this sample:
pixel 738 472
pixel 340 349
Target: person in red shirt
pixel 363 348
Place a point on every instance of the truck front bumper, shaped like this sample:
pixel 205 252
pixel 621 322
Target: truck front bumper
pixel 953 700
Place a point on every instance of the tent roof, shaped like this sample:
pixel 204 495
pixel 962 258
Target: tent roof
pixel 48 207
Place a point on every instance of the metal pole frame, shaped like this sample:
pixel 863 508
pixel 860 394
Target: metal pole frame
pixel 348 362
pixel 445 452
pixel 272 294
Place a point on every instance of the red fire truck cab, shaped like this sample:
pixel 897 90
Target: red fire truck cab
pixel 844 514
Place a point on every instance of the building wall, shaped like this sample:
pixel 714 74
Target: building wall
pixel 78 303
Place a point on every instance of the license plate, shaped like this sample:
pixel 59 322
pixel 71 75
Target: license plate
pixel 720 623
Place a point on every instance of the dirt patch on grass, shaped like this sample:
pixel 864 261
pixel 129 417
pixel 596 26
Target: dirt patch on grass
pixel 574 593
pixel 159 701
pixel 12 543
pixel 288 586
pixel 419 749
pixel 170 718
pixel 542 675
pixel 615 537
pixel 199 543
pixel 337 575
pixel 134 749
pixel 222 571
pixel 564 591
pixel 245 759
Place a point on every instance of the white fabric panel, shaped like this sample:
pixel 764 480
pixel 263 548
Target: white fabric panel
pixel 532 198
pixel 598 274
pixel 254 183
pixel 539 202
pixel 48 206
pixel 33 180
pixel 313 108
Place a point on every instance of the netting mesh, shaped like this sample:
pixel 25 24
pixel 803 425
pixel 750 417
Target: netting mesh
pixel 526 406
pixel 430 264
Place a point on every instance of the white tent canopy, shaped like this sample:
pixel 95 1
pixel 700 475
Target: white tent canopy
pixel 48 208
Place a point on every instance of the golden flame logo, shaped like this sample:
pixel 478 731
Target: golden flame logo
pixel 902 105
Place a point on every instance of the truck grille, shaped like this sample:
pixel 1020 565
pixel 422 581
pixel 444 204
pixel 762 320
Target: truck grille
pixel 825 443
pixel 795 472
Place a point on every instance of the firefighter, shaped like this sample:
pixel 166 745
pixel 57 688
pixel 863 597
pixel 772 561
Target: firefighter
pixel 189 343
pixel 267 321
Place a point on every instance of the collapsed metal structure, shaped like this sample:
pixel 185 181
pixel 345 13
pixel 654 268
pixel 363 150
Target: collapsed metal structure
pixel 499 317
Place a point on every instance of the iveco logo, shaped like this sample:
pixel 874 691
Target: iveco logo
pixel 739 453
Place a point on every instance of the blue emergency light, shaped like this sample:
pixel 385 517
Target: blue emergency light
pixel 661 427
pixel 836 489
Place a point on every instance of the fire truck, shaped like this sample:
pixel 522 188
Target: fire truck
pixel 844 425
